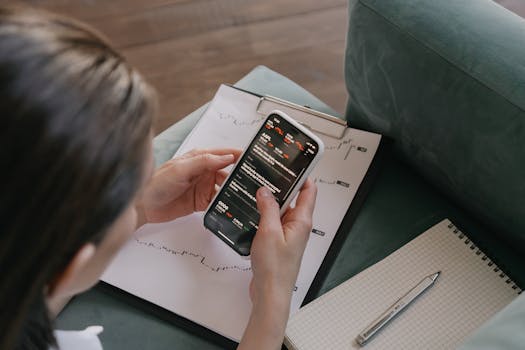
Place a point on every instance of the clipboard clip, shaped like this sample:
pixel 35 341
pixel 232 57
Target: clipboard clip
pixel 316 121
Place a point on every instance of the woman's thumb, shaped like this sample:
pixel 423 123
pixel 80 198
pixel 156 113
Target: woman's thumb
pixel 268 208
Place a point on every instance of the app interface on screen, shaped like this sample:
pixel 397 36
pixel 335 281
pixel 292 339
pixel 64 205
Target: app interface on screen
pixel 276 158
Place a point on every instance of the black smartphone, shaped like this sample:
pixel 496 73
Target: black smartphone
pixel 280 156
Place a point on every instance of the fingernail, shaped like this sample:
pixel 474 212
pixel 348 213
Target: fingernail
pixel 265 192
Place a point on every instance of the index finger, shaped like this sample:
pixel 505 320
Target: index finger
pixel 191 167
pixel 215 151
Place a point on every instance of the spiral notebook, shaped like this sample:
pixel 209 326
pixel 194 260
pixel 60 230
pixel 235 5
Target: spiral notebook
pixel 470 289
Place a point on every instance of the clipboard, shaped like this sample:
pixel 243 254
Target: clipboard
pixel 331 127
pixel 314 120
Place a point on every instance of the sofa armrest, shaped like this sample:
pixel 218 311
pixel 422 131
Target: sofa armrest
pixel 446 80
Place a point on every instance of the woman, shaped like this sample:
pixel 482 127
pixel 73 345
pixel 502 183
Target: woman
pixel 78 179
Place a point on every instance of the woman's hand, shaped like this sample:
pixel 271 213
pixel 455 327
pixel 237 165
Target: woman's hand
pixel 184 184
pixel 276 255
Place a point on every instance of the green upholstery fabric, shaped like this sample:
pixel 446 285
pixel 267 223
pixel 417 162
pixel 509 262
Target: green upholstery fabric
pixel 446 80
pixel 503 331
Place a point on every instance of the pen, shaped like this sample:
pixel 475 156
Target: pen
pixel 395 309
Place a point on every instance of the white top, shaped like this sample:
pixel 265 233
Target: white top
pixel 79 340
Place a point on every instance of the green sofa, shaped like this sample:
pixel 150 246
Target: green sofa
pixel 445 80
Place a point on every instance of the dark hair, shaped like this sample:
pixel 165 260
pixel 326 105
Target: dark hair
pixel 75 122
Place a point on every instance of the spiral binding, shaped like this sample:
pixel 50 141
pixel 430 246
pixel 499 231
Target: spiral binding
pixel 484 257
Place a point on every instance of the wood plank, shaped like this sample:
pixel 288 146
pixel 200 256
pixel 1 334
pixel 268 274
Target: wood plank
pixel 134 22
pixel 87 10
pixel 187 48
pixel 192 18
pixel 181 94
pixel 187 71
pixel 219 47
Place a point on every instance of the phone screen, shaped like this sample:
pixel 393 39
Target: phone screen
pixel 277 157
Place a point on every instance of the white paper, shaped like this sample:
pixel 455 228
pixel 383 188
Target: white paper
pixel 79 340
pixel 184 268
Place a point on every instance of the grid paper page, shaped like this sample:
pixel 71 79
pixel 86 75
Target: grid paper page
pixel 466 294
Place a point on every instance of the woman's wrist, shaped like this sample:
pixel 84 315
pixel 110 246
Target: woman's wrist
pixel 271 310
pixel 265 329
pixel 272 298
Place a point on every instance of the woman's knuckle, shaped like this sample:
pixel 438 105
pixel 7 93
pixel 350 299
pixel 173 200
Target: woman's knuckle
pixel 191 153
pixel 205 158
pixel 307 223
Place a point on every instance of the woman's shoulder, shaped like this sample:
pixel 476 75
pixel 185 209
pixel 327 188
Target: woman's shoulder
pixel 79 340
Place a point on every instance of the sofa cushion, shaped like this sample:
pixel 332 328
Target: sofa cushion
pixel 446 80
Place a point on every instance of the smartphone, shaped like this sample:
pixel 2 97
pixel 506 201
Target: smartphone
pixel 280 156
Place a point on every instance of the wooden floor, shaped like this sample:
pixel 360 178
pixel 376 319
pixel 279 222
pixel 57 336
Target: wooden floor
pixel 186 48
